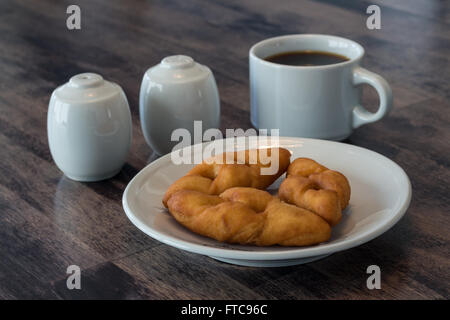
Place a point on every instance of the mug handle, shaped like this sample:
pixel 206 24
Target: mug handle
pixel 360 115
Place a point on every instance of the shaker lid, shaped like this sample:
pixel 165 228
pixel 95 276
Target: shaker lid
pixel 86 87
pixel 177 62
pixel 178 68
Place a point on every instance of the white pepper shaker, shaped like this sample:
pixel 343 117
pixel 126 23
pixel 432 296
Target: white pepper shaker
pixel 89 128
pixel 173 95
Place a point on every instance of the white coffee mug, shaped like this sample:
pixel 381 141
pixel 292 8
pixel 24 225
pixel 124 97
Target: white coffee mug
pixel 322 101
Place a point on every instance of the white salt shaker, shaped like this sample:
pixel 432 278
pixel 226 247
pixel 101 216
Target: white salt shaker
pixel 173 95
pixel 89 128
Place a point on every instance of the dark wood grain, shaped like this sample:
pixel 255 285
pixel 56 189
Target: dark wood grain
pixel 48 222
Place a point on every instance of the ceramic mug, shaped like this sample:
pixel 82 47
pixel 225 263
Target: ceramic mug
pixel 89 127
pixel 312 101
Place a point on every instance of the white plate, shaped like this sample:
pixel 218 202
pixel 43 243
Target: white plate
pixel 381 193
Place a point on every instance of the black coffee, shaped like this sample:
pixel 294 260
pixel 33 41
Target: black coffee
pixel 306 58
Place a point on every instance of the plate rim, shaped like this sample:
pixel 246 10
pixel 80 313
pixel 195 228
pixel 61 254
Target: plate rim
pixel 292 252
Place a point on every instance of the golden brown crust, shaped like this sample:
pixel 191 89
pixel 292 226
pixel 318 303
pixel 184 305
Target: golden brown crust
pixel 314 187
pixel 224 201
pixel 214 176
pixel 236 217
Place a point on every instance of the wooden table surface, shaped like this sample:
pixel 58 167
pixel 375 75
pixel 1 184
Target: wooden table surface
pixel 48 222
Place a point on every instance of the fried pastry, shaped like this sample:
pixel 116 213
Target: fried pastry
pixel 225 201
pixel 311 186
pixel 248 216
pixel 215 175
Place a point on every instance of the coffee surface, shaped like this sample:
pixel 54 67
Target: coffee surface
pixel 306 58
